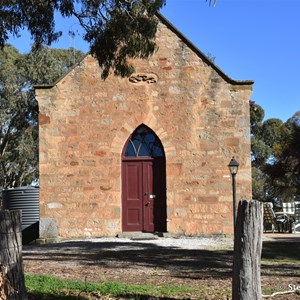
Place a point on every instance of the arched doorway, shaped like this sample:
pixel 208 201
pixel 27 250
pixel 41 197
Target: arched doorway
pixel 144 183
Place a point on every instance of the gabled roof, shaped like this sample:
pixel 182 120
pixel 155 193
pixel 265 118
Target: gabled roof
pixel 171 27
pixel 201 54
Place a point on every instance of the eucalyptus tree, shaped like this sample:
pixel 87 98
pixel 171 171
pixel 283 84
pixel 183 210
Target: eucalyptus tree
pixel 285 171
pixel 275 156
pixel 260 153
pixel 116 30
pixel 19 109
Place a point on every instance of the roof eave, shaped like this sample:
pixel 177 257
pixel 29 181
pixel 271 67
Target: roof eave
pixel 43 86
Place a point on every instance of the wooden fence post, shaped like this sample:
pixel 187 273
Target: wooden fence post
pixel 12 282
pixel 246 282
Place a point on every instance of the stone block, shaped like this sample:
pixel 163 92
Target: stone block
pixel 48 228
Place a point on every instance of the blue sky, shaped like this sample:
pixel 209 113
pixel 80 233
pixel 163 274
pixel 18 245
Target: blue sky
pixel 250 39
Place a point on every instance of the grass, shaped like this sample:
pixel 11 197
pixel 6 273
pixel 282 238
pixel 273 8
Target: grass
pixel 280 258
pixel 280 266
pixel 49 287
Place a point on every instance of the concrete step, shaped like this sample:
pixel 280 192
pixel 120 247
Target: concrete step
pixel 134 235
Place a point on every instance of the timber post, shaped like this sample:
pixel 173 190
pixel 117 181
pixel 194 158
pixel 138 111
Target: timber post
pixel 12 281
pixel 246 283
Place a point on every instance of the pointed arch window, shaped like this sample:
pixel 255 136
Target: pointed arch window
pixel 144 142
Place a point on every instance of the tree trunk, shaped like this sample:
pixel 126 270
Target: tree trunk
pixel 12 282
pixel 246 283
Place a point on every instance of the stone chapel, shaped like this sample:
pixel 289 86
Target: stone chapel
pixel 148 153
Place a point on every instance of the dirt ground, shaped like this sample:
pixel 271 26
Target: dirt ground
pixel 208 269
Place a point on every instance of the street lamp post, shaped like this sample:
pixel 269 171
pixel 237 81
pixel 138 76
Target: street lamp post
pixel 233 167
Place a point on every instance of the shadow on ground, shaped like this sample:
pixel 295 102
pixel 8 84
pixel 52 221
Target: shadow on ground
pixel 281 258
pixel 183 263
pixel 171 261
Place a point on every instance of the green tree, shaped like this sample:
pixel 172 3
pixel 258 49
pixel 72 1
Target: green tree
pixel 260 153
pixel 46 65
pixel 16 111
pixel 19 110
pixel 295 118
pixel 259 150
pixel 285 171
pixel 116 30
pixel 275 156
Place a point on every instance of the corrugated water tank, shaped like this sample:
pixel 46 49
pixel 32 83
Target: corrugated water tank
pixel 25 199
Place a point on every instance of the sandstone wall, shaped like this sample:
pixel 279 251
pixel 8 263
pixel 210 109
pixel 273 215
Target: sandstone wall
pixel 201 118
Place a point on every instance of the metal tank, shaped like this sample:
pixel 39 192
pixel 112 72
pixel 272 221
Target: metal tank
pixel 25 199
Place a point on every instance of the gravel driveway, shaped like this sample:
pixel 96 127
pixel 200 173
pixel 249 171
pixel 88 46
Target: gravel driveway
pixel 165 242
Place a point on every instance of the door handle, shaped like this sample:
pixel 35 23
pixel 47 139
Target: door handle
pixel 152 196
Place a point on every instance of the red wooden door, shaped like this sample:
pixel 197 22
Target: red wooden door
pixel 148 197
pixel 143 196
pixel 159 192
